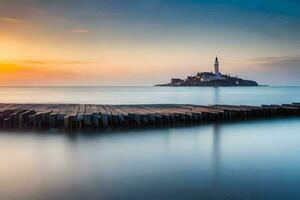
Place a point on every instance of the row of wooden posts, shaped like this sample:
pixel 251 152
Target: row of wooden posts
pixel 87 116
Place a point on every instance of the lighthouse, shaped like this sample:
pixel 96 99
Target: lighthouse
pixel 216 67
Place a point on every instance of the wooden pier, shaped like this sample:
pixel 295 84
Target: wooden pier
pixel 87 116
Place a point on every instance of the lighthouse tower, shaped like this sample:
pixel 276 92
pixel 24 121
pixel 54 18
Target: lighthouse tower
pixel 216 67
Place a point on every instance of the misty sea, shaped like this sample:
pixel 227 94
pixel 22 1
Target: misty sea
pixel 243 160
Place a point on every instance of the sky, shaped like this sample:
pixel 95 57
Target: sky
pixel 146 42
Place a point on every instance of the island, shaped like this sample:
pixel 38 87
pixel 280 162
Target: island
pixel 213 79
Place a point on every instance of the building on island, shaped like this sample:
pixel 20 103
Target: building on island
pixel 216 66
pixel 215 78
pixel 209 76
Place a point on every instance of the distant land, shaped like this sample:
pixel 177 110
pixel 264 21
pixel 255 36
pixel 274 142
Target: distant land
pixel 213 79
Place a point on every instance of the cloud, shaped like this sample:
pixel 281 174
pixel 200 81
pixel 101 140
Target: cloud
pixel 278 61
pixel 51 62
pixel 10 19
pixel 266 59
pixel 81 31
pixel 277 70
pixel 39 10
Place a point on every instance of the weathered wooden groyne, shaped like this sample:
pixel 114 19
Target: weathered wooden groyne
pixel 82 116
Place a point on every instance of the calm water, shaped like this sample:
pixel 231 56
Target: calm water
pixel 246 160
pixel 144 95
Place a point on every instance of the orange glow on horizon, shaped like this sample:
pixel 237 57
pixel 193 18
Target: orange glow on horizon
pixel 41 59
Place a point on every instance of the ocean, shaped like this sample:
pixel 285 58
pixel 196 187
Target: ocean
pixel 241 160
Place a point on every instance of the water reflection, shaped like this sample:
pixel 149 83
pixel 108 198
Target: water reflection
pixel 216 146
pixel 207 162
pixel 217 95
pixel 216 155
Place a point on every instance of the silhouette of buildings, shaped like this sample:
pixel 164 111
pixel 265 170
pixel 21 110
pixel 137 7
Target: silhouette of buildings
pixel 215 78
pixel 216 67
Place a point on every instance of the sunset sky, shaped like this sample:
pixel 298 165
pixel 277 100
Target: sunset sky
pixel 144 42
